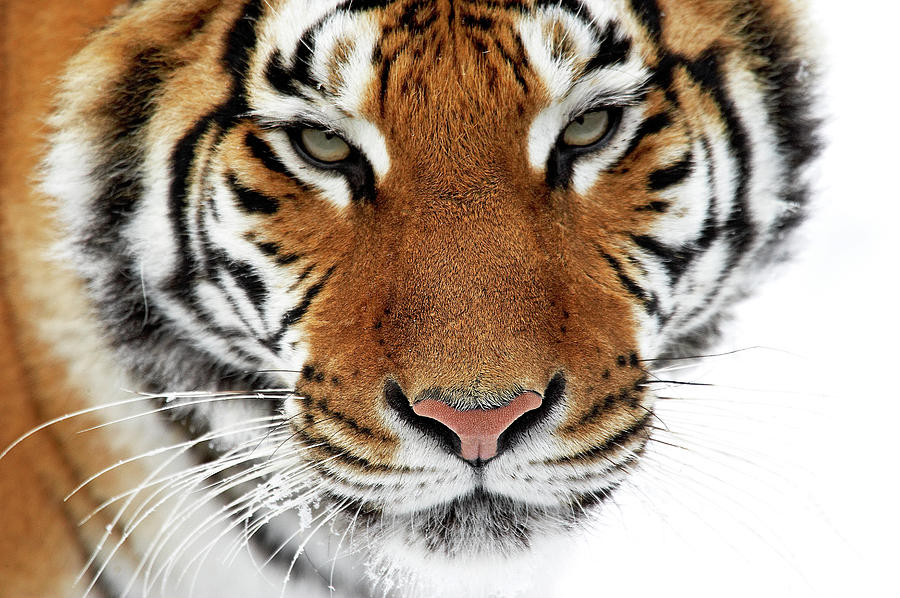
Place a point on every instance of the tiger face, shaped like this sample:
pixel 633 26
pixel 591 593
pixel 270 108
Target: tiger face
pixel 459 233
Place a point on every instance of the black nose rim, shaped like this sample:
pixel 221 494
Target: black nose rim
pixel 399 403
pixel 553 395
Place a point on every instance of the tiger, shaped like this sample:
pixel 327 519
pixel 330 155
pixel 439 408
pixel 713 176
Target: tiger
pixel 384 279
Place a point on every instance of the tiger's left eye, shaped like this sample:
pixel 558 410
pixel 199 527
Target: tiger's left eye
pixel 588 129
pixel 324 146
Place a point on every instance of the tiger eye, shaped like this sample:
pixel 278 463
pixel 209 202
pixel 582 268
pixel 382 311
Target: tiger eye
pixel 324 146
pixel 587 129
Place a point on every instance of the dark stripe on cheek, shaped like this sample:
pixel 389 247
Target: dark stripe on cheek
pixel 182 161
pixel 251 201
pixel 707 72
pixel 262 152
pixel 269 248
pixel 672 175
pixel 246 278
pixel 650 303
pixel 296 314
pixel 675 261
pixel 273 249
pixel 240 42
pixel 651 126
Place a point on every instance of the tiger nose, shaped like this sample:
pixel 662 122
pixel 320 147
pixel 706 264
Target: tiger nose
pixel 478 429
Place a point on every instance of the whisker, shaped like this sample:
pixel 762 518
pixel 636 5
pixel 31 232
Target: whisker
pixel 181 405
pixel 109 528
pixel 341 542
pixel 165 449
pixel 723 354
pixel 333 513
pixel 129 401
pixel 676 382
pixel 174 523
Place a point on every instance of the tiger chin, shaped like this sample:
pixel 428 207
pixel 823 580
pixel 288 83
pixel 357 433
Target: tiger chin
pixel 394 277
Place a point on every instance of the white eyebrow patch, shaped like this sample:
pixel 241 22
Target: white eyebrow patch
pixel 339 76
pixel 283 26
pixel 570 92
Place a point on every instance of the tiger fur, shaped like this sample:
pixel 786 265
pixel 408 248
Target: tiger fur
pixel 461 252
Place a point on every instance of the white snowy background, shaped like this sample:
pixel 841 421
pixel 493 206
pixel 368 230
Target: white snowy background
pixel 789 486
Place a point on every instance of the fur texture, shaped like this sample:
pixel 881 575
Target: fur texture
pixel 284 313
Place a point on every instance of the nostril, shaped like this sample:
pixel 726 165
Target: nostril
pixel 398 401
pixel 478 429
pixel 512 426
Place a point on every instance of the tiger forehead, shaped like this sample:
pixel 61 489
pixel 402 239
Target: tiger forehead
pixel 366 57
pixel 456 66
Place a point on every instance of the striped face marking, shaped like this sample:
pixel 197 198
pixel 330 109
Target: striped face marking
pixel 449 204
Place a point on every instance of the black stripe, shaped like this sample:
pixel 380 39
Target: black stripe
pixel 650 16
pixel 674 260
pixel 303 276
pixel 651 126
pixel 671 175
pixel 303 57
pixel 269 248
pixel 251 200
pixel 215 263
pixel 788 83
pixel 296 314
pixel 240 42
pixel 318 443
pixel 182 162
pixel 617 441
pixel 384 76
pixel 321 404
pixel 612 49
pixel 477 22
pixel 650 303
pixel 278 76
pixel 706 71
pixel 129 107
pixel 654 206
pixel 515 65
pixel 412 21
pixel 246 277
pixel 573 6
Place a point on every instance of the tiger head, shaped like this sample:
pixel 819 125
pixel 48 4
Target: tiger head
pixel 460 233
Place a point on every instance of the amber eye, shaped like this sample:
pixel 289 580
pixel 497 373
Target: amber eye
pixel 324 146
pixel 588 129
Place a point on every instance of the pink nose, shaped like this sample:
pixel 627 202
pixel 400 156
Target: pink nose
pixel 478 429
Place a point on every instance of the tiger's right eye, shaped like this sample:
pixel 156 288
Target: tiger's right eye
pixel 588 128
pixel 323 146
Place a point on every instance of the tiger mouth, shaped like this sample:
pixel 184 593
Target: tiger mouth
pixel 570 482
pixel 483 523
pixel 487 520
